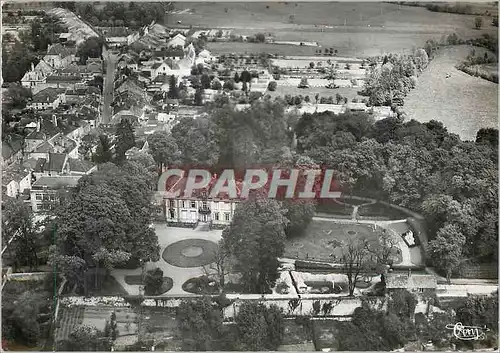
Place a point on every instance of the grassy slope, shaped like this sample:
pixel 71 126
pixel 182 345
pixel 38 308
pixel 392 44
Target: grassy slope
pixel 462 102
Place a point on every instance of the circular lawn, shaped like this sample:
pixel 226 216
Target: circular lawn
pixel 190 253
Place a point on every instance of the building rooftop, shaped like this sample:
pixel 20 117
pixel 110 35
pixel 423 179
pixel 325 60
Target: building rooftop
pixel 48 95
pixel 54 182
pixel 80 165
pixel 406 281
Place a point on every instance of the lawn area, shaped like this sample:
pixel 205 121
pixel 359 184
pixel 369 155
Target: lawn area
pixel 322 239
pixel 370 28
pixel 463 103
pixel 380 210
pixel 334 208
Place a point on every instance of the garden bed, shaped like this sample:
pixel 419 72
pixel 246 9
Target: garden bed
pixel 136 280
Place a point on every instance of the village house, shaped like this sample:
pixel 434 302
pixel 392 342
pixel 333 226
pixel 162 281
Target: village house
pixel 177 41
pixel 49 98
pixel 57 80
pixel 45 191
pixel 412 282
pixel 16 179
pixel 129 61
pixel 36 75
pixel 12 147
pixel 59 56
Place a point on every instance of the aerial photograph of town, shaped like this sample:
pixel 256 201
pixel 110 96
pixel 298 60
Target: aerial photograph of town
pixel 249 176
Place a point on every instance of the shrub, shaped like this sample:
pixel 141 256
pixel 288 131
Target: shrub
pixel 153 281
pixel 272 86
pixel 282 288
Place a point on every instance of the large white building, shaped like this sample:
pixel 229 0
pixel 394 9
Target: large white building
pixel 200 207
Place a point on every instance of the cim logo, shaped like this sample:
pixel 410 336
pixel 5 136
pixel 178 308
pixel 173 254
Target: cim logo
pixel 468 333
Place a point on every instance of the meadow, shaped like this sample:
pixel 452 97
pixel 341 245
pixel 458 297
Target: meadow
pixel 463 103
pixel 360 29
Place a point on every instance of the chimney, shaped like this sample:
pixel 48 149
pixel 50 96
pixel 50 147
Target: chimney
pixel 38 123
pixel 54 120
pixel 32 67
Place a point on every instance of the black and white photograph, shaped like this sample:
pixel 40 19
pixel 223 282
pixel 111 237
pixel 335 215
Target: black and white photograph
pixel 249 176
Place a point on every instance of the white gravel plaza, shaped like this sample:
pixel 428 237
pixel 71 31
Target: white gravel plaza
pixel 167 236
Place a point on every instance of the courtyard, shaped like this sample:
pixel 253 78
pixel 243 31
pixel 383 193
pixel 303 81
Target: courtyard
pixel 183 254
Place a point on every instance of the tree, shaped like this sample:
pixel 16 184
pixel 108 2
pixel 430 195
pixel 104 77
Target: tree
pixel 354 258
pixel 488 136
pixel 125 139
pixel 236 77
pixel 228 85
pixel 272 86
pixel 300 213
pixel 446 249
pixel 478 22
pixel 153 282
pixel 402 303
pixel 198 97
pixel 216 84
pixel 201 325
pixel 18 224
pixel 260 328
pixel 86 338
pixel 18 95
pixel 106 222
pixel 255 239
pixel 205 81
pixel 260 37
pixel 163 149
pixel 244 87
pixel 86 145
pixel 173 90
pixel 245 76
pixel 195 139
pixel 480 310
pixel 103 153
pixel 311 65
pixel 91 48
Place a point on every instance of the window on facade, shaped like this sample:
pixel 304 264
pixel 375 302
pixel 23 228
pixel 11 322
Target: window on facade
pixel 205 204
pixel 226 215
pixel 38 196
pixel 216 215
pixel 193 204
pixel 172 203
pixel 182 204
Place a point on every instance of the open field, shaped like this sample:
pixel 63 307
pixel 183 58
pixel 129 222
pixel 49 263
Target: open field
pixel 370 28
pixel 463 103
pixel 321 240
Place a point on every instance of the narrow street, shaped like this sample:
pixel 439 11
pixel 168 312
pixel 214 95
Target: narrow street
pixel 108 90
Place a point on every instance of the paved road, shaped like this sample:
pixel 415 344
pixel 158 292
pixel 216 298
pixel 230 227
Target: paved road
pixel 107 111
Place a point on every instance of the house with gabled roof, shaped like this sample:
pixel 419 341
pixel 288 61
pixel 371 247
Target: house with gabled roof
pixel 49 98
pixel 16 178
pixel 37 74
pixel 59 56
pixel 411 282
pixel 177 41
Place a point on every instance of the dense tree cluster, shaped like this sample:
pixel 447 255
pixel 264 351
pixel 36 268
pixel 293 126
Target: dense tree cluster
pixel 390 83
pixel 133 15
pixel 256 327
pixel 420 166
pixel 106 222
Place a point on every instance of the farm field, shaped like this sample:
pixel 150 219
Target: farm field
pixel 465 103
pixel 370 28
pixel 218 48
